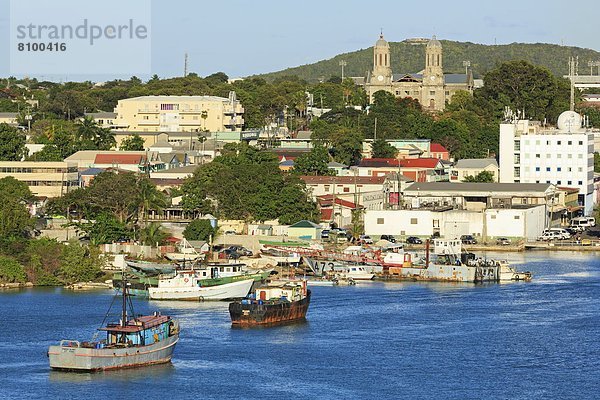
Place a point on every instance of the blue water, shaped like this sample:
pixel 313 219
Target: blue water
pixel 533 340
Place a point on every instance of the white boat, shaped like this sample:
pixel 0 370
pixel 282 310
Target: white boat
pixel 187 285
pixel 508 273
pixel 281 257
pixel 357 273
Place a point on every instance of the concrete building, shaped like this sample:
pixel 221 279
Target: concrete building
pixel 486 210
pixel 106 120
pixel 431 87
pixel 9 118
pixel 180 114
pixel 563 156
pixel 305 230
pixel 48 179
pixel 473 167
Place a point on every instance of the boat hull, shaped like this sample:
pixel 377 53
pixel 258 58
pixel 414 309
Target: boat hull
pixel 256 314
pixel 70 358
pixel 446 273
pixel 234 290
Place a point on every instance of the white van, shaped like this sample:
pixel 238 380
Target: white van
pixel 582 223
pixel 549 235
pixel 559 233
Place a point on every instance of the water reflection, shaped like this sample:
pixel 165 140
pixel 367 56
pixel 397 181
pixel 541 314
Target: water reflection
pixel 154 372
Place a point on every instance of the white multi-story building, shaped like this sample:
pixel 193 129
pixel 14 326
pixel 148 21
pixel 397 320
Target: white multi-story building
pixel 562 156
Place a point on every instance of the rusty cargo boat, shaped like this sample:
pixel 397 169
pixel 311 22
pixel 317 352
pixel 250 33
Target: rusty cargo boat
pixel 131 342
pixel 272 305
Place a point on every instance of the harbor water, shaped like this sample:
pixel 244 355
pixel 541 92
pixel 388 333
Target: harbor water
pixel 372 341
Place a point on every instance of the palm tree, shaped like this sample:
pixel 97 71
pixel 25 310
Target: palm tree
pixel 153 234
pixel 149 198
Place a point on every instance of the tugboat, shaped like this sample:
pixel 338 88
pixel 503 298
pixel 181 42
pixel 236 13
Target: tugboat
pixel 131 342
pixel 272 305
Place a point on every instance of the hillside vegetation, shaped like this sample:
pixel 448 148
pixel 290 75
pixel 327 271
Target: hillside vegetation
pixel 410 58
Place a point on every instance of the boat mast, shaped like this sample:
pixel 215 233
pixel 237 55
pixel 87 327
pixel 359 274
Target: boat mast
pixel 124 309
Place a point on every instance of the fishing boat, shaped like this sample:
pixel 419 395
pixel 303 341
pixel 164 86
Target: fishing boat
pixel 341 270
pixel 447 262
pixel 191 285
pixel 281 257
pixel 150 268
pixel 271 305
pixel 133 341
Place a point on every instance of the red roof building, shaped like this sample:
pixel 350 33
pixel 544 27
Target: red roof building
pixel 438 151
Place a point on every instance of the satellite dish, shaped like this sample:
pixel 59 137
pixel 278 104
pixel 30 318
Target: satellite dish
pixel 569 121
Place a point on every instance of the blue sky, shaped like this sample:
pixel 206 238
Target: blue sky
pixel 244 37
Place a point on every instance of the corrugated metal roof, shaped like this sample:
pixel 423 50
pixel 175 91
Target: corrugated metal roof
pixel 466 187
pixel 476 163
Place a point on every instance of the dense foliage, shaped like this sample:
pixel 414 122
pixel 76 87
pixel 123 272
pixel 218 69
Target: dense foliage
pixel 12 143
pixel 483 176
pixel 199 229
pixel 245 183
pixel 409 58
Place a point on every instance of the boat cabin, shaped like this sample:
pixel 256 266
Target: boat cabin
pixel 289 291
pixel 139 331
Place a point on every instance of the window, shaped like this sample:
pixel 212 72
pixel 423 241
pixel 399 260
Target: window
pixel 580 183
pixel 569 155
pixel 380 221
pixel 581 142
pixel 580 169
pixel 547 169
pixel 527 143
pixel 547 142
pixel 569 169
pixel 558 169
pixel 447 93
pixel 579 155
pixel 413 221
pixel 327 188
pixel 569 182
pixel 559 155
pixel 146 117
pixel 559 182
pixel 537 142
pixel 517 145
pixel 346 190
pixel 492 216
pixel 559 142
pixel 517 217
pixel 548 155
pixel 570 142
pixel 537 156
pixel 432 92
pixel 537 169
pixel 527 155
pixel 517 172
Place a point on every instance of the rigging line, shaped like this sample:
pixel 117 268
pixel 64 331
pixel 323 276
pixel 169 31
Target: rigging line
pixel 95 335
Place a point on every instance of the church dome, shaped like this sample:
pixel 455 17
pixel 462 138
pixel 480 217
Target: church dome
pixel 434 42
pixel 381 42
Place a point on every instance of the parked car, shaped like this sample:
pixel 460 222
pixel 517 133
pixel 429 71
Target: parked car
pixel 561 233
pixel 468 239
pixel 231 254
pixel 240 250
pixel 549 236
pixel 230 233
pixel 389 238
pixel 365 239
pixel 413 240
pixel 325 234
pixel 503 241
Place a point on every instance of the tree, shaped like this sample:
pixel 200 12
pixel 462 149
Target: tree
pixel 199 229
pixel 105 229
pixel 347 146
pixel 483 176
pixel 80 263
pixel 15 220
pixel 314 162
pixel 382 149
pixel 153 234
pixel 12 143
pixel 596 162
pixel 11 271
pixel 521 85
pixel 94 137
pixel 132 143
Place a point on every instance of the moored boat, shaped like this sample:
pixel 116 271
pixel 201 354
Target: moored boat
pixel 191 285
pixel 131 342
pixel 271 305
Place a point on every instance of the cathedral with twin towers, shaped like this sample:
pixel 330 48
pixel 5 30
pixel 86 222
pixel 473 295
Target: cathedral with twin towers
pixel 431 86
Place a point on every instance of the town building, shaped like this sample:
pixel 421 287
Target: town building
pixel 180 114
pixel 484 210
pixel 107 120
pixel 431 87
pixel 563 156
pixel 473 167
pixel 44 179
pixel 364 191
pixel 410 148
pixel 305 230
pixel 9 118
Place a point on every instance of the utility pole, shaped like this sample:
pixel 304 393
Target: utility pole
pixel 573 64
pixel 342 64
pixel 375 135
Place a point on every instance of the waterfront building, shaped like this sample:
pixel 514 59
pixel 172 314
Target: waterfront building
pixel 107 120
pixel 473 167
pixel 410 148
pixel 563 155
pixel 485 210
pixel 431 86
pixel 180 114
pixel 44 178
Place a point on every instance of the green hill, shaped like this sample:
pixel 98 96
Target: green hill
pixel 407 57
